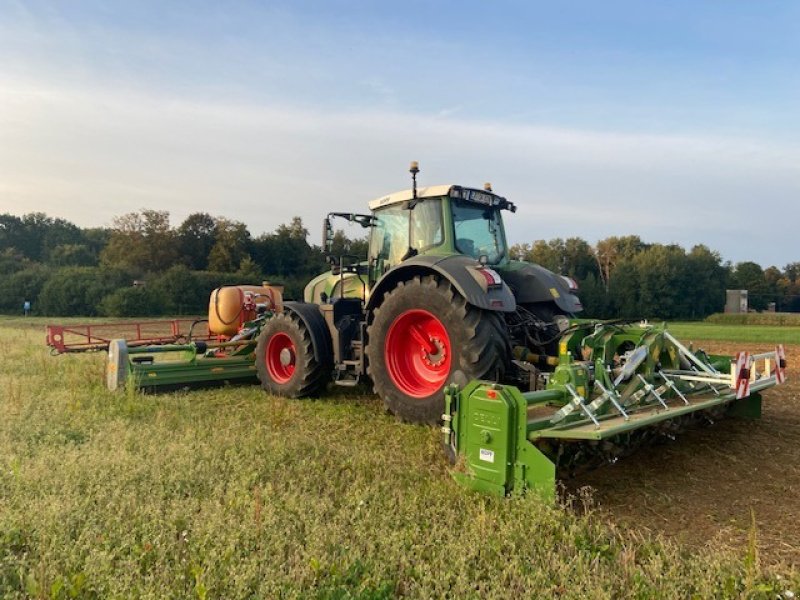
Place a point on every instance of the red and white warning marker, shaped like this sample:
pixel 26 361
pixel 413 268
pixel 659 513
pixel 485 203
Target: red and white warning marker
pixel 743 364
pixel 780 364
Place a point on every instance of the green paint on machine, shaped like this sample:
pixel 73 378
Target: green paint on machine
pixel 489 420
pixel 595 409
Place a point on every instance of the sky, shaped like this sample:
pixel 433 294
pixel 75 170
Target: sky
pixel 674 121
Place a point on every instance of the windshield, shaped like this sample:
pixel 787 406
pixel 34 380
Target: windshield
pixel 479 231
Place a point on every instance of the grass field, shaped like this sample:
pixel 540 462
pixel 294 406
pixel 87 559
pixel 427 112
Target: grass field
pixel 736 333
pixel 229 493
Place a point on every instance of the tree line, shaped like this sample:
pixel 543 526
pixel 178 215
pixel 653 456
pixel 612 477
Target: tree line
pixel 628 278
pixel 143 266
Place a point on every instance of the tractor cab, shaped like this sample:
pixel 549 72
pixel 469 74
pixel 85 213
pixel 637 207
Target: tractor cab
pixel 438 220
pixel 441 220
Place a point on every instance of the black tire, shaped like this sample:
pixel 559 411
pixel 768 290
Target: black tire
pixel 477 339
pixel 303 375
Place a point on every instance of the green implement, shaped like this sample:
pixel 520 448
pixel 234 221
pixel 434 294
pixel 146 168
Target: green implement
pixel 633 383
pixel 227 354
pixel 171 366
pixel 156 368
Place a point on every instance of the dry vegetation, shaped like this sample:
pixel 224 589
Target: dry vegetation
pixel 230 493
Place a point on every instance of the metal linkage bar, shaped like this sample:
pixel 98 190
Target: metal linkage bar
pixel 693 378
pixel 650 389
pixel 720 379
pixel 690 355
pixel 579 399
pixel 576 402
pixel 611 395
pixel 671 385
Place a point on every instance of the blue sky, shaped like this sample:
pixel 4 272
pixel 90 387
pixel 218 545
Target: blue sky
pixel 675 121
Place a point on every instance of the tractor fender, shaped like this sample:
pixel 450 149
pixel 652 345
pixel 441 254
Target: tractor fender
pixel 461 271
pixel 533 283
pixel 312 318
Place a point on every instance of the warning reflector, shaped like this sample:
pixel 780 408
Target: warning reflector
pixel 780 364
pixel 743 361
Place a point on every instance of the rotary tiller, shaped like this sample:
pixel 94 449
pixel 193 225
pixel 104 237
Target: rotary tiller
pixel 614 387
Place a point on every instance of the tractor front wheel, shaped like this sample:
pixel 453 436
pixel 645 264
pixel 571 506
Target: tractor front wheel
pixel 421 335
pixel 285 361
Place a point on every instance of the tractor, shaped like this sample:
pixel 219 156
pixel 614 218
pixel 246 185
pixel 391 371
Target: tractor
pixel 437 299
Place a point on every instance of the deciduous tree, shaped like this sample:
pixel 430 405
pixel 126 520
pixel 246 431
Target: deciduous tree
pixel 141 241
pixel 231 239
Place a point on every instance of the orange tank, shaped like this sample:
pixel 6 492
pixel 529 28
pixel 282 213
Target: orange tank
pixel 231 306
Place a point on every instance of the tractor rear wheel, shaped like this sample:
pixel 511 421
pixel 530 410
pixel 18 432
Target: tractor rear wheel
pixel 420 336
pixel 285 361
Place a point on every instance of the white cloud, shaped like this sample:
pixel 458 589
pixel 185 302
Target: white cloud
pixel 90 154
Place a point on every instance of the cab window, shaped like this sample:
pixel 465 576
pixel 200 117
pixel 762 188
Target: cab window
pixel 389 238
pixel 426 224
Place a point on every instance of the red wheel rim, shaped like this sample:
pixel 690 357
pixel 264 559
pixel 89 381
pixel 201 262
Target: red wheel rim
pixel 280 357
pixel 417 353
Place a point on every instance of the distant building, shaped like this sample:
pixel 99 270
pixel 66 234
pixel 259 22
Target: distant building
pixel 736 301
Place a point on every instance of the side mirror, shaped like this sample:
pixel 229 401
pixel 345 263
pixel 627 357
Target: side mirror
pixel 327 236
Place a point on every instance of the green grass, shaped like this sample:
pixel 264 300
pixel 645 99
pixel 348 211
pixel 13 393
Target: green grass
pixel 756 318
pixel 230 493
pixel 773 334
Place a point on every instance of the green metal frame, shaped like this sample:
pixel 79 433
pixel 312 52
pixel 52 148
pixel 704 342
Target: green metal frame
pixel 490 421
pixel 491 431
pixel 173 365
pixel 508 441
pixel 190 367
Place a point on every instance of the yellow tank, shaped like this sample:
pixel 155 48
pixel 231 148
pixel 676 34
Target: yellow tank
pixel 231 306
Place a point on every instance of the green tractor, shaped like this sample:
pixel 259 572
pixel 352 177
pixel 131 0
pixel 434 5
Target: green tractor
pixel 437 300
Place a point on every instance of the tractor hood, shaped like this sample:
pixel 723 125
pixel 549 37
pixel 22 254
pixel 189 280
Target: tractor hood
pixel 533 283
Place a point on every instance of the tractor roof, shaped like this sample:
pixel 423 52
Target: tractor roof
pixel 433 191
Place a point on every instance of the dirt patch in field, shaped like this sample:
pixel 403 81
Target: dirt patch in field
pixel 701 488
